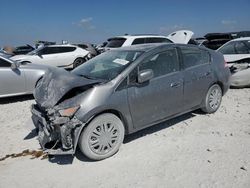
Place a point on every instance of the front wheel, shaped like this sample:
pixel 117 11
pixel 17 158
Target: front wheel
pixel 102 137
pixel 213 99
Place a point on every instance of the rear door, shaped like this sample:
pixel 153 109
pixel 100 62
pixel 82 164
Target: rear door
pixel 12 81
pixel 48 55
pixel 162 95
pixel 65 56
pixel 198 75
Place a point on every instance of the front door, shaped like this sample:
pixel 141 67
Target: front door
pixel 161 96
pixel 12 81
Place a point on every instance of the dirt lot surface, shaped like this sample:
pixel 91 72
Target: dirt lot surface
pixel 194 150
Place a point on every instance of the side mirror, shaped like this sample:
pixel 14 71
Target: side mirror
pixel 145 75
pixel 15 65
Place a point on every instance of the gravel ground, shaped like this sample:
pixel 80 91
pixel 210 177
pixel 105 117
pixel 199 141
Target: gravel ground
pixel 194 150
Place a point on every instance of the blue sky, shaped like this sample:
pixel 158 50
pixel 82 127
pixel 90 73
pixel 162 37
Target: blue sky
pixel 25 21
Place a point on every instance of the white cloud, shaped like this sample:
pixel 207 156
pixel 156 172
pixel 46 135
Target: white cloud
pixel 86 23
pixel 228 22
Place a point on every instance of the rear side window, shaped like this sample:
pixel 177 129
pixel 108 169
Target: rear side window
pixel 66 49
pixel 228 49
pixel 157 40
pixel 115 42
pixel 49 50
pixel 241 48
pixel 194 56
pixel 162 63
pixel 138 41
pixel 55 50
pixel 4 63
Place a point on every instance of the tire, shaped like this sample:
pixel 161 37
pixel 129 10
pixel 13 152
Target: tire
pixel 103 137
pixel 78 62
pixel 213 99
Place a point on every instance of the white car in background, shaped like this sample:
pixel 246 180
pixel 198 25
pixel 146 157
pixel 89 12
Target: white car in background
pixel 180 37
pixel 66 56
pixel 237 55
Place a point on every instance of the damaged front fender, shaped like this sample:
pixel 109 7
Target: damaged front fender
pixel 57 135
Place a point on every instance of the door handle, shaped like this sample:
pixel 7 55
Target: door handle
pixel 175 84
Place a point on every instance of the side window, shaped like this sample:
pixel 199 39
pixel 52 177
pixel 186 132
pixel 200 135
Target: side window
pixel 156 40
pixel 228 49
pixel 241 48
pixel 194 56
pixel 162 63
pixel 49 50
pixel 122 85
pixel 65 49
pixel 4 63
pixel 138 41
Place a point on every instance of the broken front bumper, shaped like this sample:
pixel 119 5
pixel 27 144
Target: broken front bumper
pixel 58 136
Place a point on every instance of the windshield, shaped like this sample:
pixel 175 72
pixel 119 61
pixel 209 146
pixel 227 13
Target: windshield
pixel 107 65
pixel 35 51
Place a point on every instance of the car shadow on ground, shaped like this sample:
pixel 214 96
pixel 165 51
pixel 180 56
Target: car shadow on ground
pixel 68 159
pixel 8 100
pixel 158 127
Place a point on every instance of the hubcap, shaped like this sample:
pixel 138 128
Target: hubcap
pixel 103 138
pixel 214 98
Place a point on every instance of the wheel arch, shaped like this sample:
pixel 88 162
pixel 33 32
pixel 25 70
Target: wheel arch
pixel 112 111
pixel 221 86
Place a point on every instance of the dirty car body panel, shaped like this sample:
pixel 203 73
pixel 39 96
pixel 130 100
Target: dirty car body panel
pixel 19 78
pixel 67 101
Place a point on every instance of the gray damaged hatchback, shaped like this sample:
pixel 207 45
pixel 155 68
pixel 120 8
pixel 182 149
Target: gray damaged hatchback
pixel 122 91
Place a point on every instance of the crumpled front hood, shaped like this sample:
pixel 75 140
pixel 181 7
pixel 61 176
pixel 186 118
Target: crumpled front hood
pixel 55 84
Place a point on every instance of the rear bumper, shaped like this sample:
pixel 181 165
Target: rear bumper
pixel 58 137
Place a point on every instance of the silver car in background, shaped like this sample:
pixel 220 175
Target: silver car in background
pixel 19 78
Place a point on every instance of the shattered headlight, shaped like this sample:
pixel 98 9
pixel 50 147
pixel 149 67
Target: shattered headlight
pixel 69 112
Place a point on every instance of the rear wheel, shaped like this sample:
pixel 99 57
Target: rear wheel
pixel 78 62
pixel 102 137
pixel 213 99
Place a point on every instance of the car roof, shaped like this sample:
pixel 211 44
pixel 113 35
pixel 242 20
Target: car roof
pixel 144 47
pixel 137 36
pixel 61 45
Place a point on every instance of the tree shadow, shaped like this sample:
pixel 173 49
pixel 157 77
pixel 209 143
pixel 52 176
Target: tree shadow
pixel 15 99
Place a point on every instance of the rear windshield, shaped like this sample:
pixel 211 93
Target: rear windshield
pixel 115 42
